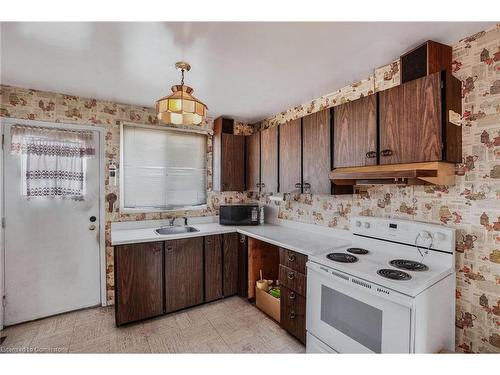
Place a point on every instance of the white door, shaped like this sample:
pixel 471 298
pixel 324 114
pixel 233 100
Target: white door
pixel 52 257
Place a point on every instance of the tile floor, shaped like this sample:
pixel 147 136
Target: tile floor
pixel 230 325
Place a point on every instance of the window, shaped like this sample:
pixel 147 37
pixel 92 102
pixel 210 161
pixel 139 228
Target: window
pixel 163 169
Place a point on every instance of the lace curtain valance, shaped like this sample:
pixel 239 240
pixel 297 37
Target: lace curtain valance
pixel 52 160
pixel 30 139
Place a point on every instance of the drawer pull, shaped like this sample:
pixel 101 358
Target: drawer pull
pixel 292 315
pixel 291 258
pixel 371 154
pixel 291 295
pixel 291 275
pixel 386 152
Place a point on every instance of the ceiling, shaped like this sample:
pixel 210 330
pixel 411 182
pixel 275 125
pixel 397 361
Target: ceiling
pixel 245 70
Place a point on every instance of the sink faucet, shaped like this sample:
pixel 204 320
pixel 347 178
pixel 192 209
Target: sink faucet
pixel 172 221
pixel 185 220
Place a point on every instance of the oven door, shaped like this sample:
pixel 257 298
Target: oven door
pixel 354 316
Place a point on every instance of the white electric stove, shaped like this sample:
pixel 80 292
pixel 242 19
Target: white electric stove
pixel 392 290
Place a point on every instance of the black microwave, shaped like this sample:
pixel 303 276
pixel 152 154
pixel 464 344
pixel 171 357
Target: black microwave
pixel 239 214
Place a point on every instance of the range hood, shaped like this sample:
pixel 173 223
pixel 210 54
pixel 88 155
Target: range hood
pixel 435 173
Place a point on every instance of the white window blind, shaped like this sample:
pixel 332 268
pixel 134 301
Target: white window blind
pixel 163 169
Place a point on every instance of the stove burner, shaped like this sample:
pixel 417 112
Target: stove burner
pixel 393 274
pixel 357 250
pixel 408 265
pixel 342 257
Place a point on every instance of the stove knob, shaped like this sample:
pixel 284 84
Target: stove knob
pixel 367 225
pixel 358 223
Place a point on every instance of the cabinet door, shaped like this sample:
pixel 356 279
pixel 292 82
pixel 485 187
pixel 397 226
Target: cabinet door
pixel 213 268
pixel 269 159
pixel 183 273
pixel 253 162
pixel 230 262
pixel 355 133
pixel 316 149
pixel 293 313
pixel 233 162
pixel 290 170
pixel 242 266
pixel 139 284
pixel 410 122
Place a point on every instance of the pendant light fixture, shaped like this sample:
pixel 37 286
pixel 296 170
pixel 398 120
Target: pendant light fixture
pixel 180 107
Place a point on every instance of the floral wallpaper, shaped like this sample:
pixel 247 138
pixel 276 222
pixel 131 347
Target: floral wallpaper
pixel 471 206
pixel 30 104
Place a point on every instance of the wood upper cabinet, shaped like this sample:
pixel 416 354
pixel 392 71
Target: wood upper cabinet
pixel 230 262
pixel 253 162
pixel 316 152
pixel 415 124
pixel 213 268
pixel 269 159
pixel 290 151
pixel 411 122
pixel 183 273
pixel 138 281
pixel 228 157
pixel 355 133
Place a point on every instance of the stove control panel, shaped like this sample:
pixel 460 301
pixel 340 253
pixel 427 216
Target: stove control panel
pixel 405 231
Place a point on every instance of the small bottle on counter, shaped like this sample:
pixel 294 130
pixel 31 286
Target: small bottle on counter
pixel 261 215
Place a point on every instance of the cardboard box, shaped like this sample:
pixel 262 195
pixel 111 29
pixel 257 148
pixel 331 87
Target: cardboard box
pixel 267 303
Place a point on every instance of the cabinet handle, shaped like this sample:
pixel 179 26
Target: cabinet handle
pixel 170 248
pixel 292 315
pixel 291 295
pixel 291 275
pixel 262 185
pixel 291 258
pixel 242 239
pixel 371 154
pixel 298 185
pixel 386 152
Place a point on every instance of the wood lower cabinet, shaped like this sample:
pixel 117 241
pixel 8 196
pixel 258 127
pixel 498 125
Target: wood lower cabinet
pixel 293 313
pixel 292 277
pixel 183 273
pixel 355 133
pixel 293 260
pixel 290 161
pixel 213 268
pixel 253 162
pixel 230 264
pixel 316 152
pixel 138 281
pixel 242 266
pixel 269 160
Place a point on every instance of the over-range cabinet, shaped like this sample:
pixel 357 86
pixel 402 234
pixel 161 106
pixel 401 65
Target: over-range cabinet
pixel 156 278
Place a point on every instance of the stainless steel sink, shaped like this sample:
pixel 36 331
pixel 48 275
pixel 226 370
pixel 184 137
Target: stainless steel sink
pixel 175 230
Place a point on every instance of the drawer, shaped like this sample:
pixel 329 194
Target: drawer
pixel 293 260
pixel 293 313
pixel 292 280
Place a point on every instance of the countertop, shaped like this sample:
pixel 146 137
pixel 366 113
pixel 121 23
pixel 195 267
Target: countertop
pixel 308 240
